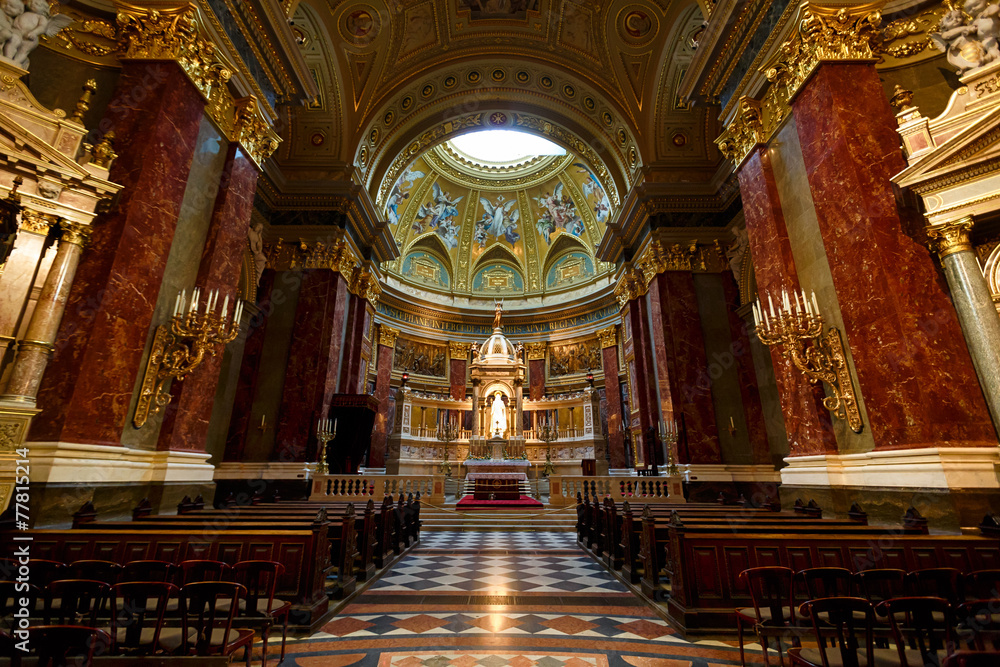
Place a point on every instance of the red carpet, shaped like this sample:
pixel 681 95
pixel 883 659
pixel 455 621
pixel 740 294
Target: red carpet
pixel 470 503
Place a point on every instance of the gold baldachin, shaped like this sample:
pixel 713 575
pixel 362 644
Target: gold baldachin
pixel 951 237
pixel 535 350
pixel 608 337
pixel 824 34
pixel 175 33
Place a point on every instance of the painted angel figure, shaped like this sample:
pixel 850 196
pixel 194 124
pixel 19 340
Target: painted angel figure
pixel 443 207
pixel 396 197
pixel 500 219
pixel 593 188
pixel 28 28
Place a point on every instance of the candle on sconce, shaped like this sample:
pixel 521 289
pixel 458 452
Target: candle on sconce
pixel 815 305
pixel 225 307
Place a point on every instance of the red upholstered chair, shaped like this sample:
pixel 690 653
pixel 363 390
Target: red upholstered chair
pixel 772 614
pixel 259 608
pixel 973 659
pixel 67 645
pixel 982 585
pixel 193 571
pixel 137 622
pixel 923 629
pixel 849 629
pixel 979 624
pixel 95 570
pixel 208 608
pixel 81 602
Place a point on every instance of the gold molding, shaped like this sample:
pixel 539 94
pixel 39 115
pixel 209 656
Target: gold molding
pixel 608 337
pixel 35 222
pixel 631 285
pixel 824 34
pixel 387 336
pixel 951 237
pixel 366 286
pixel 535 350
pixel 693 257
pixel 336 256
pixel 458 350
pixel 76 233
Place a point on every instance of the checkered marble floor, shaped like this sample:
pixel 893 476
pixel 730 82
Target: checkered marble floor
pixel 511 541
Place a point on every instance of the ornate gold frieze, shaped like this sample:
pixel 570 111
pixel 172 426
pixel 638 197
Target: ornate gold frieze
pixel 608 337
pixel 365 285
pixel 76 233
pixel 387 336
pixel 336 255
pixel 630 286
pixel 458 350
pixel 824 34
pixel 535 350
pixel 35 222
pixel 951 237
pixel 658 258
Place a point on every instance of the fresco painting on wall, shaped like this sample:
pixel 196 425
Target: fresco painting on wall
pixel 558 213
pixel 401 192
pixel 419 358
pixel 497 279
pixel 439 215
pixel 574 358
pixel 499 221
pixel 425 268
pixel 594 192
pixel 571 268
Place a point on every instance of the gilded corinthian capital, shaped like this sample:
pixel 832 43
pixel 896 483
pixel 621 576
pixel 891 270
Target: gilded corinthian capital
pixel 535 350
pixel 387 336
pixel 951 237
pixel 608 336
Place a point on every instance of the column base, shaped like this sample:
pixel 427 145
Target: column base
pixel 68 462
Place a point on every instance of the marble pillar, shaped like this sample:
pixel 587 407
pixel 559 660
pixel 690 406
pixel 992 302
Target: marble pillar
pixel 612 394
pixel 380 432
pixel 88 386
pixel 458 354
pixel 753 409
pixel 39 340
pixel 642 381
pixel 354 369
pixel 807 422
pixel 18 277
pixel 914 369
pixel 536 378
pixel 685 387
pixel 974 305
pixel 313 362
pixel 186 419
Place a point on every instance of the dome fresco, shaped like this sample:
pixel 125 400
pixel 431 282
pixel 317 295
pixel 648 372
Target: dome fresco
pixel 528 227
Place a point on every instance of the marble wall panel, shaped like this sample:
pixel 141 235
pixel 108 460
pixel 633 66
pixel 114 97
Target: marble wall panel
pixel 614 433
pixel 536 379
pixel 380 433
pixel 457 368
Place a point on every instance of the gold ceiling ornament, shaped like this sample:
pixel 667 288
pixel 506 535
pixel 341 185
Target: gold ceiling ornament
pixel 824 34
pixel 608 337
pixel 35 222
pixel 387 336
pixel 458 350
pixel 630 286
pixel 535 350
pixel 951 237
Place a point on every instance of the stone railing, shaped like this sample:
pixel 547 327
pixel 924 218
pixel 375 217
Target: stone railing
pixel 563 489
pixel 362 487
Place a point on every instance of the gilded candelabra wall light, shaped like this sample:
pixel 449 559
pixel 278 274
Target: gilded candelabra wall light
pixel 820 356
pixel 180 346
pixel 669 436
pixel 447 434
pixel 548 435
pixel 326 431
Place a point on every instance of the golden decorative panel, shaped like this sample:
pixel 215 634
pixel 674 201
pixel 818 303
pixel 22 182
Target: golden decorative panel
pixel 574 358
pixel 535 351
pixel 420 358
pixel 608 337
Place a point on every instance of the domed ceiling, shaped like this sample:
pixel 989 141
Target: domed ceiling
pixel 474 228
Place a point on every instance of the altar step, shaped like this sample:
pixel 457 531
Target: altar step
pixel 469 487
pixel 541 520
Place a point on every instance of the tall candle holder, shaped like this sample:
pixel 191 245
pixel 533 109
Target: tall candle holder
pixel 447 434
pixel 326 430
pixel 180 346
pixel 668 436
pixel 820 356
pixel 548 435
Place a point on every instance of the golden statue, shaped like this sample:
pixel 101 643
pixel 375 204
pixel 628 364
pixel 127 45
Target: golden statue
pixel 498 312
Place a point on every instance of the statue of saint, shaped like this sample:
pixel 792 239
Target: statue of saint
pixel 498 416
pixel 498 312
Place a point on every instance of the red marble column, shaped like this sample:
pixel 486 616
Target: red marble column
pixel 682 366
pixel 919 386
pixel 536 379
pixel 638 360
pixel 380 433
pixel 88 385
pixel 457 365
pixel 185 423
pixel 240 423
pixel 612 394
pixel 753 410
pixel 353 368
pixel 807 422
pixel 313 363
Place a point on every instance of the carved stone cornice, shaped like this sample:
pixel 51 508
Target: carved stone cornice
pixel 387 336
pixel 176 33
pixel 631 285
pixel 35 222
pixel 608 337
pixel 365 285
pixel 535 350
pixel 692 256
pixel 951 237
pixel 824 34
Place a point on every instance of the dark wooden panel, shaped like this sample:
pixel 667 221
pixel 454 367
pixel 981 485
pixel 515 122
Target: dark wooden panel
pixel 706 567
pixel 737 560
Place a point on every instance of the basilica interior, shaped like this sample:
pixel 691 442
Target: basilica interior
pixel 489 332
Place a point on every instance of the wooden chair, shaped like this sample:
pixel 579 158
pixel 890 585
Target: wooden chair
pixel 979 624
pixel 137 622
pixel 43 572
pixel 196 571
pixel 826 582
pixel 10 602
pixel 95 570
pixel 938 582
pixel 973 659
pixel 923 628
pixel 260 578
pixel 66 645
pixel 773 613
pixel 81 602
pixel 208 608
pixel 981 585
pixel 849 628
pixel 149 570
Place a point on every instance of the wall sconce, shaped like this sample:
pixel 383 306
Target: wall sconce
pixel 180 346
pixel 403 378
pixel 823 359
